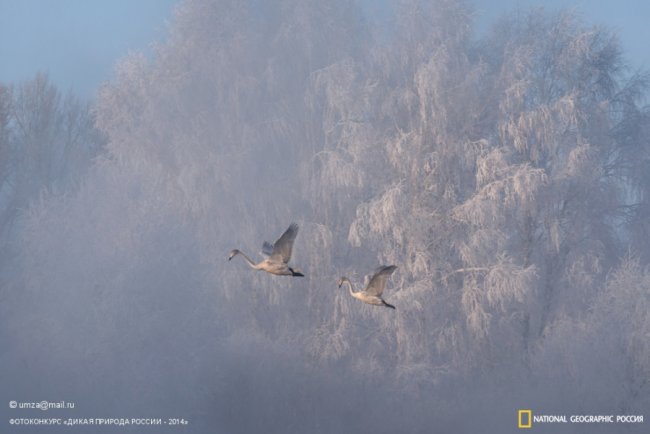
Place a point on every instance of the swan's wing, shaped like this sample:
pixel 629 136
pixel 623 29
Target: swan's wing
pixel 378 280
pixel 267 248
pixel 284 244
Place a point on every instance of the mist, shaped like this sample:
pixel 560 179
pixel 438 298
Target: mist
pixel 506 176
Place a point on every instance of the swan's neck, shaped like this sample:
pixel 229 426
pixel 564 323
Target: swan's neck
pixel 249 261
pixel 347 282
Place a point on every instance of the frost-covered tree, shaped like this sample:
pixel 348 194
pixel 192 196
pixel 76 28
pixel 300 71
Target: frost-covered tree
pixel 553 166
pixel 495 173
pixel 48 141
pixel 604 353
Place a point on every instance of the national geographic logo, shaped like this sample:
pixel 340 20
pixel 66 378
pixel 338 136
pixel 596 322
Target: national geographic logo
pixel 525 418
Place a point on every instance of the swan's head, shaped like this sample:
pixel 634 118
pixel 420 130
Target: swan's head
pixel 340 281
pixel 232 254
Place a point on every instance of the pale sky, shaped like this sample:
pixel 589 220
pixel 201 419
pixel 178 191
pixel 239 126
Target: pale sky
pixel 77 42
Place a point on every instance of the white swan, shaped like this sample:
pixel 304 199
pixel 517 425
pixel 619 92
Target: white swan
pixel 372 293
pixel 279 255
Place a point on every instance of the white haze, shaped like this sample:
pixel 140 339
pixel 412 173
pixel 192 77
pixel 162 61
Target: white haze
pixel 507 178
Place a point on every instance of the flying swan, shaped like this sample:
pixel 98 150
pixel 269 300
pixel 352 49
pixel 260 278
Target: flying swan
pixel 372 293
pixel 278 255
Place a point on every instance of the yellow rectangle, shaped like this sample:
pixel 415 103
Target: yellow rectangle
pixel 520 422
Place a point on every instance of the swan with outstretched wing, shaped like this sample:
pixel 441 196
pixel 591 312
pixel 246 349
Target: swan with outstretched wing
pixel 373 292
pixel 278 254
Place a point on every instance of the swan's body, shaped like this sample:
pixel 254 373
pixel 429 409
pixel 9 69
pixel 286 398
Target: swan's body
pixel 279 255
pixel 372 293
